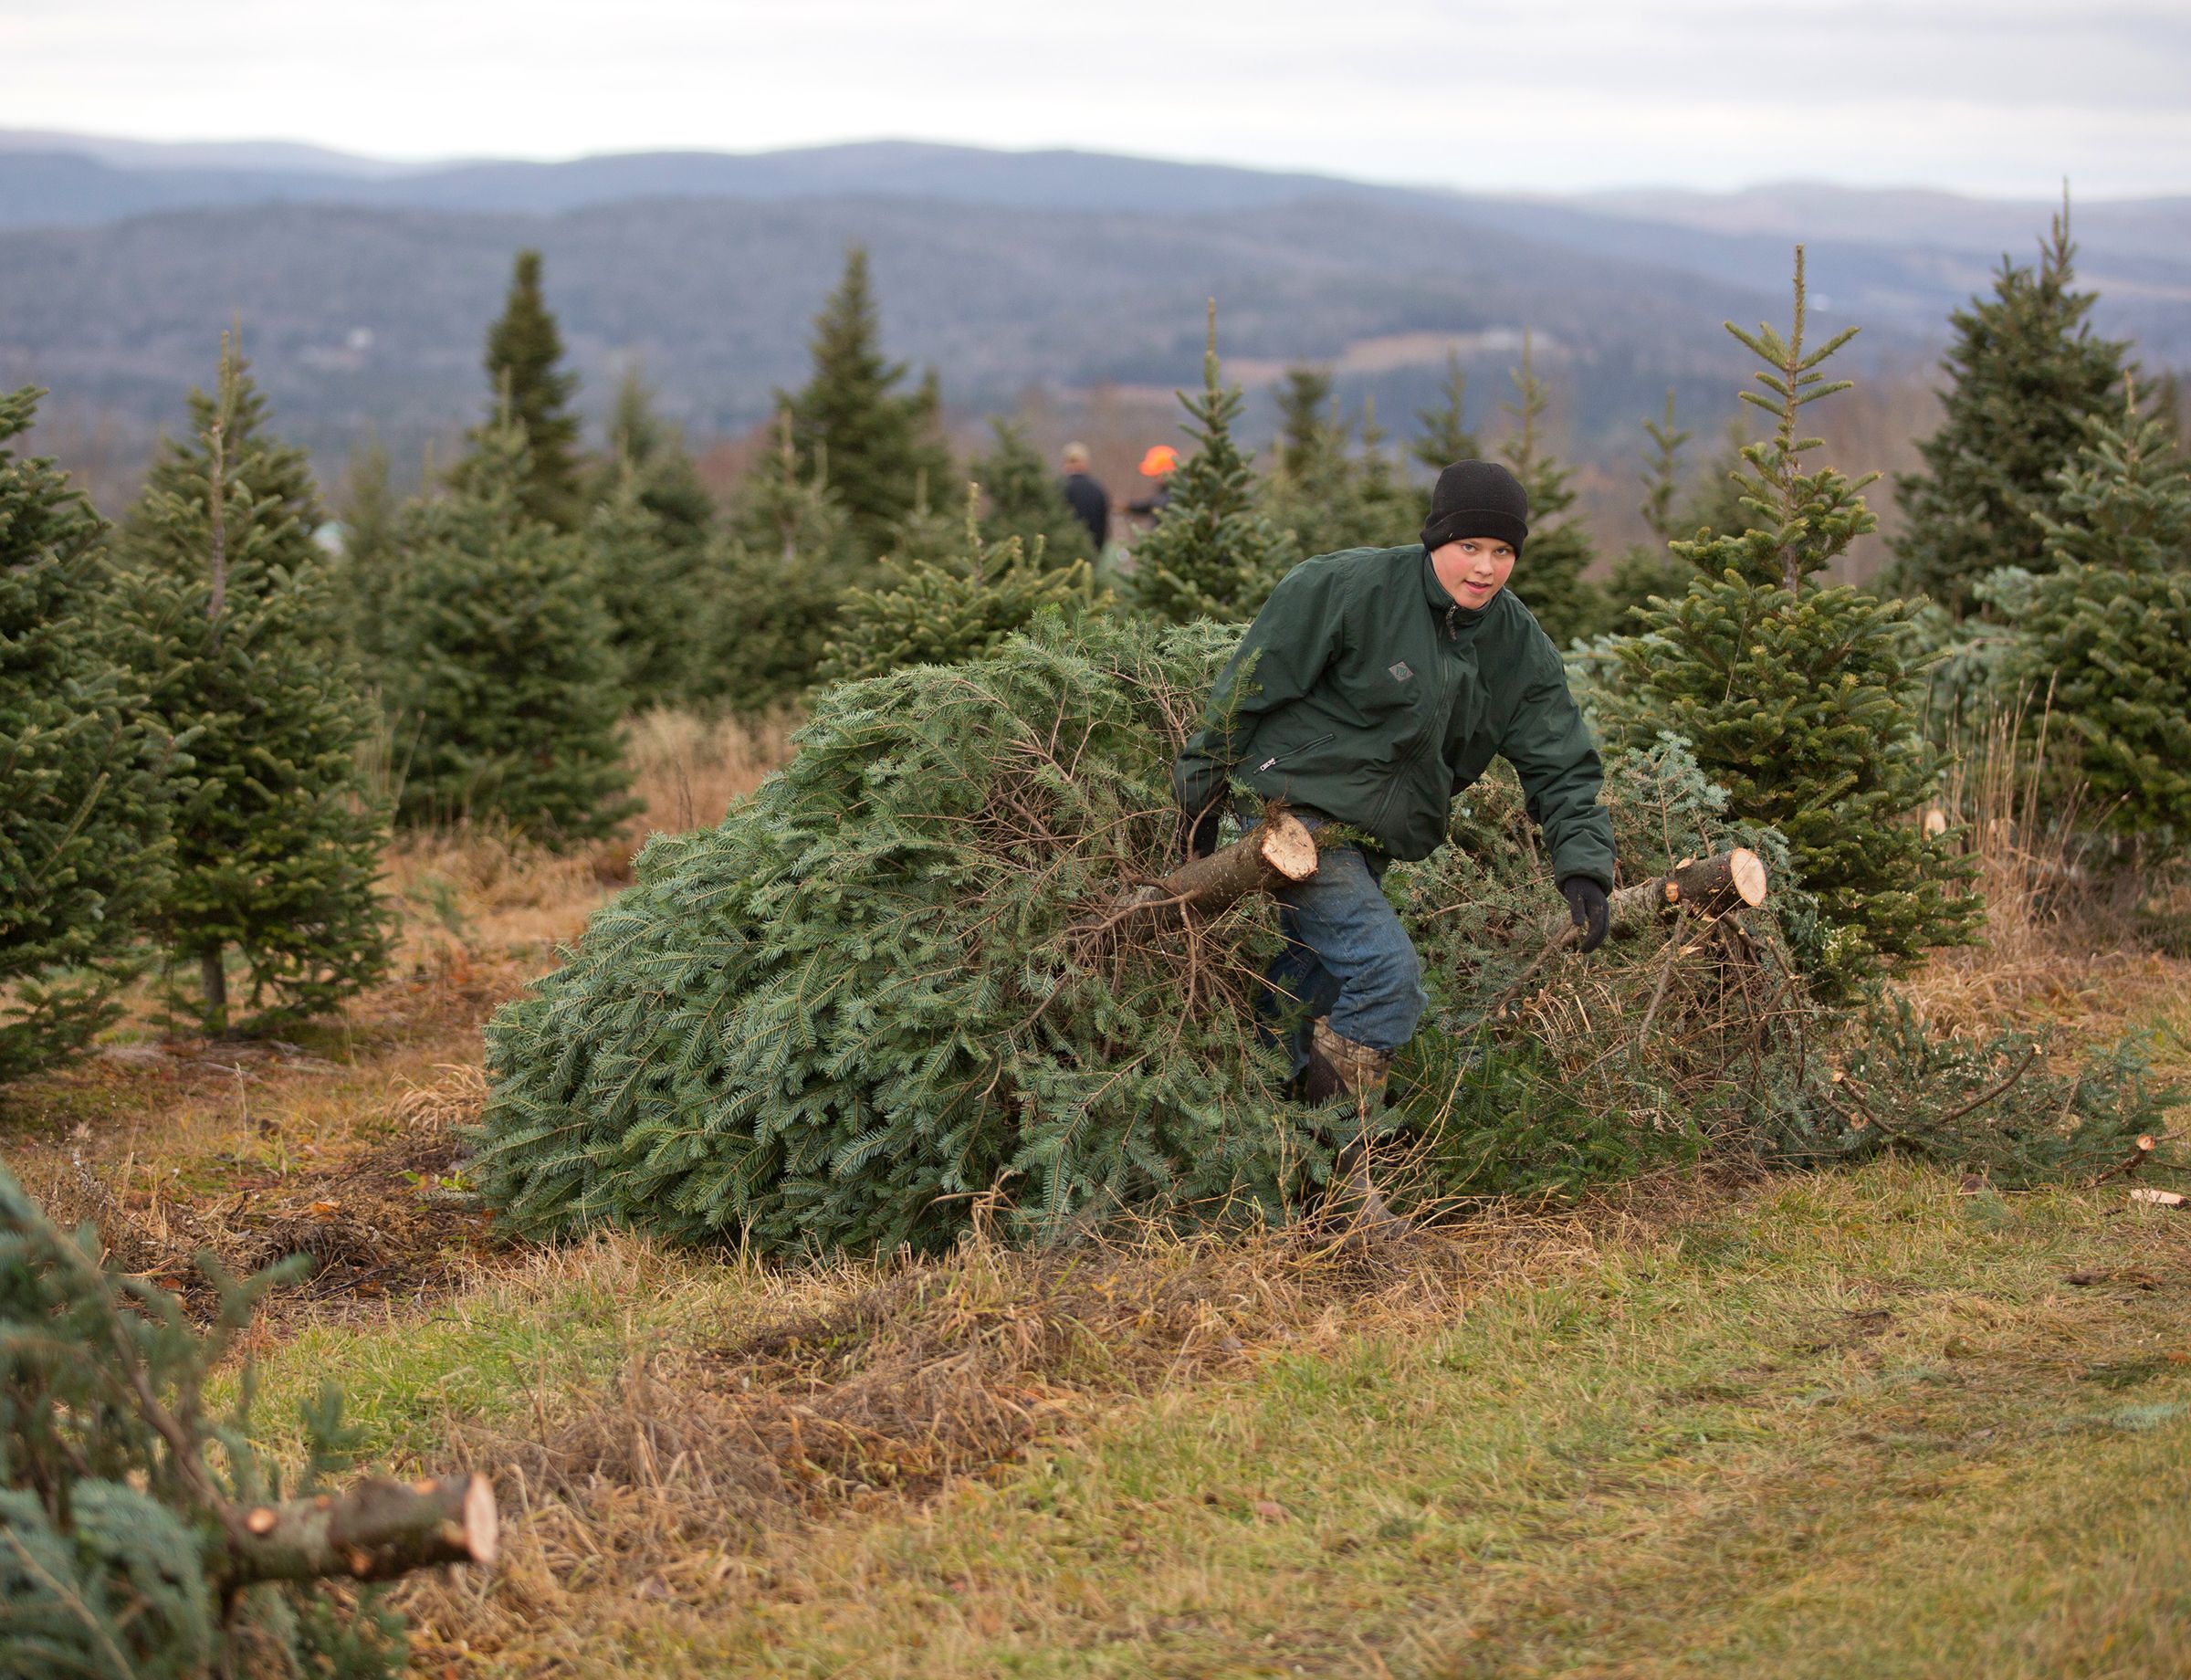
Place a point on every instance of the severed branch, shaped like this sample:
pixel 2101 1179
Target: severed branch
pixel 1706 886
pixel 376 1531
pixel 1276 851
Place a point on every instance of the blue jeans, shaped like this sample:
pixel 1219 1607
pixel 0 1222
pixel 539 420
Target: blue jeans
pixel 1346 956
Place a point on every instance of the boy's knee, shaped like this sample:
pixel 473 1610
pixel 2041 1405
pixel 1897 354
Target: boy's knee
pixel 1392 988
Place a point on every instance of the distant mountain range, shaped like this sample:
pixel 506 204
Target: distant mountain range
pixel 364 286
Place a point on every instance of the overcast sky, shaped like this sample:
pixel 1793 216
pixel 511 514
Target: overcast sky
pixel 1998 96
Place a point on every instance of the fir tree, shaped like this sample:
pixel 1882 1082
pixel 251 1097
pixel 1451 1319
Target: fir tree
pixel 526 384
pixel 1650 568
pixel 2026 371
pixel 1445 437
pixel 84 851
pixel 931 613
pixel 277 846
pixel 2107 627
pixel 504 694
pixel 1549 578
pixel 877 441
pixel 1025 499
pixel 642 445
pixel 1212 553
pixel 125 1551
pixel 653 591
pixel 1799 699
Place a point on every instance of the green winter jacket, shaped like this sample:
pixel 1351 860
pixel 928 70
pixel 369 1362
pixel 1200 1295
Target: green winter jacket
pixel 1364 691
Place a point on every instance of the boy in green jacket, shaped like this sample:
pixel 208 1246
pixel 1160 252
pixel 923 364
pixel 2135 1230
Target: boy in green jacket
pixel 1375 684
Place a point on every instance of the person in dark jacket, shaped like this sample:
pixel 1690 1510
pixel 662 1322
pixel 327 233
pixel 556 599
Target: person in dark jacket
pixel 1090 502
pixel 1374 686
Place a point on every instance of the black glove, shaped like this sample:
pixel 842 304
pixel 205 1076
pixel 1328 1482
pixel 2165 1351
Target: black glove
pixel 1586 902
pixel 1198 835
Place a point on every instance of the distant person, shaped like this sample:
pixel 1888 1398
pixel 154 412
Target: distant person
pixel 1162 461
pixel 1090 501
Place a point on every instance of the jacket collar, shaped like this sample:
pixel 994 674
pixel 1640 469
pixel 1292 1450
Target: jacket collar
pixel 1453 617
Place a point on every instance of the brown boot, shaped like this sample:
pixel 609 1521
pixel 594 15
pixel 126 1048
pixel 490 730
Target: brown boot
pixel 1339 1066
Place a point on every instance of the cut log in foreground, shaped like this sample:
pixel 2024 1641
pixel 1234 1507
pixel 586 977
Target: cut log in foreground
pixel 1273 853
pixel 1714 886
pixel 376 1531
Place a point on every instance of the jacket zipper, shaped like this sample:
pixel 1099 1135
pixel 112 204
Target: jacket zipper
pixel 1304 747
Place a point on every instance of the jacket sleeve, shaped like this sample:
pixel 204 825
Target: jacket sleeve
pixel 1299 632
pixel 1550 747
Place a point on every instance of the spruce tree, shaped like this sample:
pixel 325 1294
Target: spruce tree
pixel 526 384
pixel 1549 578
pixel 932 613
pixel 1213 554
pixel 877 441
pixel 1025 499
pixel 277 843
pixel 642 445
pixel 2026 374
pixel 1801 698
pixel 1651 568
pixel 1388 510
pixel 1445 437
pixel 2107 627
pixel 504 699
pixel 84 850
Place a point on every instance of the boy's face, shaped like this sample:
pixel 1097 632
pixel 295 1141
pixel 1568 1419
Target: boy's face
pixel 1474 569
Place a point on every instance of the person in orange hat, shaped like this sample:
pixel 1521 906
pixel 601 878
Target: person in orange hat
pixel 1162 461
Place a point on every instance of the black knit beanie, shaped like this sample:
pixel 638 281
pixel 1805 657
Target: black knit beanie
pixel 1477 499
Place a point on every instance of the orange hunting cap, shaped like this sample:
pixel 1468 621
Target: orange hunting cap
pixel 1160 459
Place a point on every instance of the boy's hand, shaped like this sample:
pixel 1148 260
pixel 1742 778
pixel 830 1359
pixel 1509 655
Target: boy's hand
pixel 1586 903
pixel 1198 835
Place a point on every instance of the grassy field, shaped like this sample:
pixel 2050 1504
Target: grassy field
pixel 1866 1422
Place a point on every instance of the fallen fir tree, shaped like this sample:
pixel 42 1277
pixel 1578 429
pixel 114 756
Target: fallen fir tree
pixel 140 1539
pixel 872 1002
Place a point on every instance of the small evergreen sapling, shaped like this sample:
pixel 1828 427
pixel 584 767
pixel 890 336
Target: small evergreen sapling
pixel 2026 374
pixel 1549 579
pixel 651 589
pixel 366 573
pixel 2106 631
pixel 84 847
pixel 932 613
pixel 1213 554
pixel 774 583
pixel 277 846
pixel 643 446
pixel 505 695
pixel 1799 699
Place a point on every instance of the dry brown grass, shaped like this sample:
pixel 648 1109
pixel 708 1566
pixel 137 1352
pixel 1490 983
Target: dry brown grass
pixel 2060 942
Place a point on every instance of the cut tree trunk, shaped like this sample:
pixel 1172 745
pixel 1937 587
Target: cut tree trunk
pixel 1271 853
pixel 1714 886
pixel 376 1531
